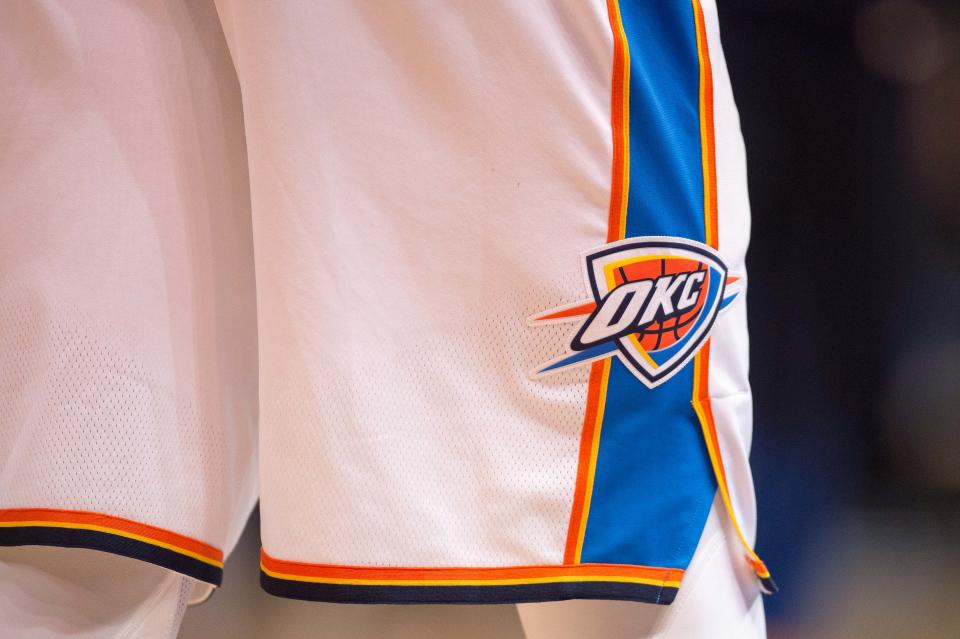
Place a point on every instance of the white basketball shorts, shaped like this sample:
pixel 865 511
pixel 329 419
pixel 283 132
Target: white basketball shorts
pixel 461 282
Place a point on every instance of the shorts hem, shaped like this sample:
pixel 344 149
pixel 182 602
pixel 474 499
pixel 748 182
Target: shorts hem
pixel 105 533
pixel 482 585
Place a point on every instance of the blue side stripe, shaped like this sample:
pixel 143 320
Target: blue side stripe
pixel 653 485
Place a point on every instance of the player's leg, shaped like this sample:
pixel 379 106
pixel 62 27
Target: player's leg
pixel 127 333
pixel 719 599
pixel 48 593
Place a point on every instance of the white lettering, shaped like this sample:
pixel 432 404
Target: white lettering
pixel 617 312
pixel 662 298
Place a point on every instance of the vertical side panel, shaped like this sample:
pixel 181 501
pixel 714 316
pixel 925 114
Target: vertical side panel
pixel 652 482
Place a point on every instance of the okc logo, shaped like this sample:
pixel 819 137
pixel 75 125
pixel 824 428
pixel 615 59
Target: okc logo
pixel 654 302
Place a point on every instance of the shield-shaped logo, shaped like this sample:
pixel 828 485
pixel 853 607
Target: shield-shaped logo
pixel 655 300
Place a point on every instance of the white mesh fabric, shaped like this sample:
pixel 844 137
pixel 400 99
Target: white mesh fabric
pixel 411 209
pixel 448 455
pixel 127 330
pixel 92 423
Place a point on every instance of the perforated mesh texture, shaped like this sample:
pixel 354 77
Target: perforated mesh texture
pixel 127 325
pixel 88 423
pixel 405 229
pixel 449 454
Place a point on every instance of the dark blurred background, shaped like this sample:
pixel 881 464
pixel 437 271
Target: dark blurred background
pixel 851 116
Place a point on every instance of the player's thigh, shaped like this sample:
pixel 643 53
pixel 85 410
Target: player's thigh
pixel 47 593
pixel 719 599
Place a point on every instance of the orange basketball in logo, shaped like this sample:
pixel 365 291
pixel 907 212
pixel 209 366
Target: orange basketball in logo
pixel 653 303
pixel 661 333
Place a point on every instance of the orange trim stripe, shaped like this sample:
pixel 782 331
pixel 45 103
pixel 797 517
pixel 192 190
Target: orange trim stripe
pixel 583 464
pixel 26 517
pixel 587 463
pixel 620 124
pixel 616 225
pixel 576 311
pixel 704 411
pixel 701 389
pixel 707 142
pixel 371 575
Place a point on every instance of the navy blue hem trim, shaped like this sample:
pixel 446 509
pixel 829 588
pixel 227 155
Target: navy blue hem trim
pixel 494 594
pixel 769 586
pixel 116 544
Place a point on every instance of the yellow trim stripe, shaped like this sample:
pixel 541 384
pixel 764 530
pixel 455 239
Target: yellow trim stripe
pixel 111 531
pixel 623 189
pixel 706 158
pixel 467 582
pixel 592 469
pixel 636 343
pixel 701 394
pixel 625 120
pixel 718 470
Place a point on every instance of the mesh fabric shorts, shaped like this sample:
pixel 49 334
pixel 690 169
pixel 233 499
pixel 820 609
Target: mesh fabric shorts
pixel 463 284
